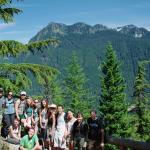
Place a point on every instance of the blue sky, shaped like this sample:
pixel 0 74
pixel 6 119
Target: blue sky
pixel 39 13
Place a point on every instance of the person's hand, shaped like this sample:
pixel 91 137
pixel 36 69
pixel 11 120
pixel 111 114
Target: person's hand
pixel 85 144
pixel 102 146
pixel 18 117
pixel 63 139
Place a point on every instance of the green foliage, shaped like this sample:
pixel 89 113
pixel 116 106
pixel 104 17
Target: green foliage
pixel 39 45
pixel 14 48
pixel 76 94
pixel 55 92
pixel 11 48
pixel 90 50
pixel 16 76
pixel 112 104
pixel 7 12
pixel 141 103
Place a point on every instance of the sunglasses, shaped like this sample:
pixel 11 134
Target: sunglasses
pixel 23 95
pixel 10 95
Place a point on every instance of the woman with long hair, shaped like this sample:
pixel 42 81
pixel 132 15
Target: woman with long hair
pixel 43 120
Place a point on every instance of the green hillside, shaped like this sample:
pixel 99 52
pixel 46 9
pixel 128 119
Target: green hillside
pixel 130 42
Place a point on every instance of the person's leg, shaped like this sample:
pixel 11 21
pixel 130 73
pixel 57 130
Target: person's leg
pixel 55 142
pixel 6 125
pixel 81 143
pixel 90 145
pixel 75 144
pixel 62 145
pixel 97 145
pixel 12 118
pixel 13 141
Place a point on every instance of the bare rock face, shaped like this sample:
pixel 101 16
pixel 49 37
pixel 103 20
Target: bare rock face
pixel 7 146
pixel 3 145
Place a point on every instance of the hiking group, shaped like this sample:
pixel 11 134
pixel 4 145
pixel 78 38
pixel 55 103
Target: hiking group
pixel 35 124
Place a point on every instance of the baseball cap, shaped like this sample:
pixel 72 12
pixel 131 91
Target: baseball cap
pixel 23 93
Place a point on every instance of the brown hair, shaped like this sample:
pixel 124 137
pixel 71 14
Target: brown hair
pixel 42 107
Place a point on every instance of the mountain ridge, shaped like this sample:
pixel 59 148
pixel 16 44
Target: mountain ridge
pixel 82 28
pixel 90 47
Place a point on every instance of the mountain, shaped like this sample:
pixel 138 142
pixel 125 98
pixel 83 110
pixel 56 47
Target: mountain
pixel 132 44
pixel 133 31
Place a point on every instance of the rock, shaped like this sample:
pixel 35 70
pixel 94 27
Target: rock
pixel 4 145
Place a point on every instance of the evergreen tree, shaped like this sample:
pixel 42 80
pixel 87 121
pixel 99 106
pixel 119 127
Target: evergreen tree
pixel 17 76
pixel 7 12
pixel 76 94
pixel 141 103
pixel 54 91
pixel 112 104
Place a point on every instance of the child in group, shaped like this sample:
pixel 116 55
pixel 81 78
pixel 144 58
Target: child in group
pixel 28 114
pixel 14 135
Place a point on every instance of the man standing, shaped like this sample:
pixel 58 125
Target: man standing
pixel 20 105
pixel 96 132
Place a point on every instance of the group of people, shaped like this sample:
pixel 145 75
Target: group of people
pixel 36 125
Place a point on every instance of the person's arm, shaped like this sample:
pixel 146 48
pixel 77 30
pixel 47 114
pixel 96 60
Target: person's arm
pixel 86 131
pixel 54 122
pixel 72 133
pixel 16 109
pixel 22 144
pixel 102 138
pixel 21 148
pixel 37 145
pixel 19 133
pixel 40 119
pixel 102 133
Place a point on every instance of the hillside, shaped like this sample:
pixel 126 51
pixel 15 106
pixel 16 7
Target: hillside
pixel 130 42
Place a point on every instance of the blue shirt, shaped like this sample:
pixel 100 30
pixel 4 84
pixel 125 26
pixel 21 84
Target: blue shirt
pixel 10 108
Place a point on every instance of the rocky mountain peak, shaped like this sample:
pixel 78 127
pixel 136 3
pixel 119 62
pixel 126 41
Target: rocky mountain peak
pixel 133 30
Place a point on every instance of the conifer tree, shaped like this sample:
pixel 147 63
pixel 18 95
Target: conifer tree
pixel 112 103
pixel 141 103
pixel 7 12
pixel 76 94
pixel 17 76
pixel 54 91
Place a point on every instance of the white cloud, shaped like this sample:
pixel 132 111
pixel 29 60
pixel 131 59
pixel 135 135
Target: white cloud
pixel 18 32
pixel 4 25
